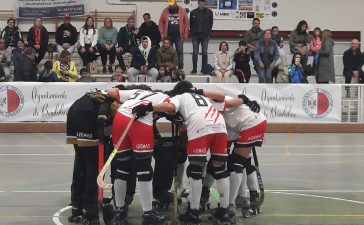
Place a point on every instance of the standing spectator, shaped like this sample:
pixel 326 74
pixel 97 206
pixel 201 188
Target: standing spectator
pixel 167 56
pixel 107 41
pixel 65 68
pixel 299 39
pixel 241 60
pixel 277 37
pixel 127 39
pixel 266 53
pixel 28 70
pixel 223 62
pixel 88 41
pixel 315 45
pixel 85 76
pixel 143 61
pixel 47 75
pixel 66 35
pixel 11 34
pixel 5 57
pixel 2 74
pixel 252 36
pixel 201 22
pixel 38 39
pixel 326 68
pixel 150 28
pixel 173 23
pixel 353 61
pixel 296 71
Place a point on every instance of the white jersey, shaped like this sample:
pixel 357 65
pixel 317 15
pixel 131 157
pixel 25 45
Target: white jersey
pixel 238 118
pixel 200 117
pixel 141 97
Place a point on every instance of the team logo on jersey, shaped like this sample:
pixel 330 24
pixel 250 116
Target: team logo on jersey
pixel 317 103
pixel 11 100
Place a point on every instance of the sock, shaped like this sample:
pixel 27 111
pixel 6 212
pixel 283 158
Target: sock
pixel 208 181
pixel 120 192
pixel 196 190
pixel 146 195
pixel 252 181
pixel 223 186
pixel 235 182
pixel 180 174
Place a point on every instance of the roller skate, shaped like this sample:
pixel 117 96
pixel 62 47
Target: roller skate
pixel 191 217
pixel 232 213
pixel 220 216
pixel 152 218
pixel 182 193
pixel 90 219
pixel 204 202
pixel 76 216
pixel 254 202
pixel 120 214
pixel 163 201
pixel 243 203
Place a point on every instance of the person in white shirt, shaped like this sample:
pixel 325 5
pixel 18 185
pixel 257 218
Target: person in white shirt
pixel 88 41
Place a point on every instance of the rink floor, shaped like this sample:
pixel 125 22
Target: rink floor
pixel 310 179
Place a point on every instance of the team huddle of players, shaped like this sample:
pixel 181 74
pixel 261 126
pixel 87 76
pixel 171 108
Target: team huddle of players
pixel 212 122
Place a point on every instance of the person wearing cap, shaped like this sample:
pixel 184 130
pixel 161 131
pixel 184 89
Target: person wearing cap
pixel 174 24
pixel 66 35
pixel 28 70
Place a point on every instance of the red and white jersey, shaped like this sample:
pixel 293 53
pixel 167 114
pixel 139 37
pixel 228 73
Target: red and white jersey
pixel 200 117
pixel 141 97
pixel 238 118
pixel 124 95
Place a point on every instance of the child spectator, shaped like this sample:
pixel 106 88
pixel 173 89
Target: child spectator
pixel 163 75
pixel 85 76
pixel 295 70
pixel 241 60
pixel 65 68
pixel 177 75
pixel 315 46
pixel 119 75
pixel 47 75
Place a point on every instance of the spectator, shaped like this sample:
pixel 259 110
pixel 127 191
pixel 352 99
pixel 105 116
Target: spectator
pixel 119 75
pixel 167 56
pixel 223 62
pixel 296 71
pixel 143 61
pixel 5 57
pixel 173 23
pixel 353 62
pixel 277 37
pixel 163 76
pixel 28 70
pixel 47 75
pixel 11 34
pixel 66 35
pixel 252 36
pixel 241 60
pixel 266 53
pixel 127 39
pixel 38 39
pixel 65 68
pixel 299 39
pixel 150 28
pixel 106 43
pixel 17 53
pixel 85 76
pixel 2 74
pixel 177 75
pixel 315 45
pixel 201 22
pixel 88 41
pixel 326 68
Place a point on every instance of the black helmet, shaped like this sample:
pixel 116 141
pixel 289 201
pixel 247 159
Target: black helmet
pixel 182 87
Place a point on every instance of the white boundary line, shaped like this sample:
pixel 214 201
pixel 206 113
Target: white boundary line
pixel 58 213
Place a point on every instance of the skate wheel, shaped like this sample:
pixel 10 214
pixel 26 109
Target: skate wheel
pixel 86 222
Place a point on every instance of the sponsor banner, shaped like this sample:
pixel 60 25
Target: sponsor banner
pixel 43 8
pixel 280 103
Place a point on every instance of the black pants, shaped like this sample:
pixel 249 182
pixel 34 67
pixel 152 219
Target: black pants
pixel 87 56
pixel 104 53
pixel 41 53
pixel 121 59
pixel 243 75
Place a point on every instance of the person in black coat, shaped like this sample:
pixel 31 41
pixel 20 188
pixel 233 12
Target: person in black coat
pixel 66 35
pixel 38 39
pixel 150 28
pixel 241 60
pixel 28 70
pixel 353 62
pixel 11 34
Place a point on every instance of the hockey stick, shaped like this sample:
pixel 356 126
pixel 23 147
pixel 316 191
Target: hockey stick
pixel 100 177
pixel 100 194
pixel 260 180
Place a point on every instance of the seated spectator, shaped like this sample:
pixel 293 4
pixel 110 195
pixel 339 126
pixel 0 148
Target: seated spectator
pixel 296 71
pixel 47 75
pixel 315 46
pixel 177 75
pixel 353 61
pixel 223 63
pixel 119 75
pixel 85 76
pixel 143 61
pixel 241 60
pixel 65 68
pixel 11 34
pixel 167 56
pixel 106 43
pixel 18 52
pixel 277 37
pixel 28 70
pixel 37 38
pixel 88 41
pixel 2 74
pixel 5 57
pixel 326 67
pixel 163 76
pixel 150 28
pixel 66 35
pixel 266 53
pixel 127 40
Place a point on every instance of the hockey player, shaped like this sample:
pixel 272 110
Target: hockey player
pixel 135 152
pixel 206 130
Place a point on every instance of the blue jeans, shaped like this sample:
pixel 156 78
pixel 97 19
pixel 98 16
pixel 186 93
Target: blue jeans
pixel 265 75
pixel 196 40
pixel 179 48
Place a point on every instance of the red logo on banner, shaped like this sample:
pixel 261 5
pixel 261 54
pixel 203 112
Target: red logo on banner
pixel 317 103
pixel 11 100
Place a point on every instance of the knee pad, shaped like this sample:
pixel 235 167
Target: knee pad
pixel 122 169
pixel 250 169
pixel 143 168
pixel 194 171
pixel 236 163
pixel 217 172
